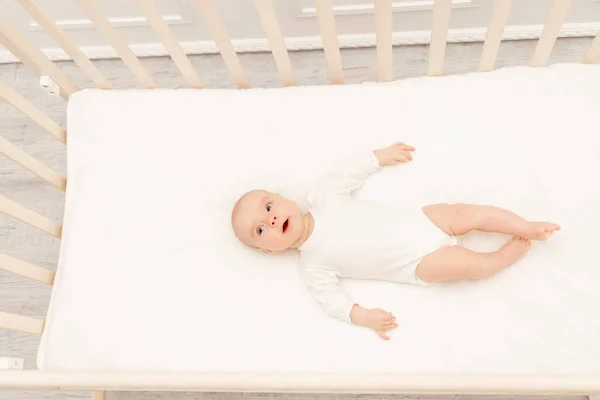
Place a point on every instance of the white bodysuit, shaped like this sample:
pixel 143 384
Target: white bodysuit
pixel 361 239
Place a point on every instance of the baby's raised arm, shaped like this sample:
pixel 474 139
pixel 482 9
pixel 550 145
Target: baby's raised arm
pixel 324 286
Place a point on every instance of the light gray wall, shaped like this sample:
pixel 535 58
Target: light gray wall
pixel 242 22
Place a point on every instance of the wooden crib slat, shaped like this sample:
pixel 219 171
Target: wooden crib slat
pixel 494 34
pixel 212 21
pixel 163 32
pixel 32 218
pixel 268 18
pixel 20 323
pixel 26 270
pixel 112 36
pixel 439 32
pixel 331 45
pixel 593 55
pixel 383 26
pixel 16 100
pixel 26 161
pixel 100 395
pixel 33 57
pixel 557 16
pixel 66 43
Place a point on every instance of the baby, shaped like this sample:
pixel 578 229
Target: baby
pixel 341 236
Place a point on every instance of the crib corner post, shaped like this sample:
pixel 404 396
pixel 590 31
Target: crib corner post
pixel 99 395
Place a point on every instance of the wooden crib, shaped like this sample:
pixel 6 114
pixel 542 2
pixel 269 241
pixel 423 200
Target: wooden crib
pixel 99 383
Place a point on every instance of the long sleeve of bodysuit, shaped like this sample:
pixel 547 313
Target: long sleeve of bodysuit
pixel 345 176
pixel 323 285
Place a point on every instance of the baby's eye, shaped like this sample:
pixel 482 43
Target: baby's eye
pixel 260 229
pixel 268 207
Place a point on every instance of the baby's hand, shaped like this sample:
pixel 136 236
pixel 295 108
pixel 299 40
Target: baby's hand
pixel 396 153
pixel 377 319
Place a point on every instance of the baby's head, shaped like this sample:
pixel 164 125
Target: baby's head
pixel 267 221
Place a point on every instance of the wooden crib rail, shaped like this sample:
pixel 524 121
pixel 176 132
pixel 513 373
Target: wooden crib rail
pixel 555 20
pixel 163 32
pixel 212 20
pixel 494 34
pixel 32 218
pixel 27 161
pixel 20 323
pixel 268 18
pixel 439 32
pixel 112 36
pixel 65 42
pixel 593 55
pixel 16 100
pixel 26 270
pixel 383 36
pixel 331 45
pixel 280 382
pixel 33 57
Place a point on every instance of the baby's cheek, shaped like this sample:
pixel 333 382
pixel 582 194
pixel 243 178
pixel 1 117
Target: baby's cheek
pixel 276 239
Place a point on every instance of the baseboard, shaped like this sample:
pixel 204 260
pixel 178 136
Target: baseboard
pixel 524 32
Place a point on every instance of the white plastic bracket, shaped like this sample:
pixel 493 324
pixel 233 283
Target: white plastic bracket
pixel 51 87
pixel 11 363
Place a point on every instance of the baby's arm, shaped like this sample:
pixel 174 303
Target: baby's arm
pixel 324 285
pixel 351 173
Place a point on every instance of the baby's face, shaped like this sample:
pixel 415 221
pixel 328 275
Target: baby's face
pixel 268 221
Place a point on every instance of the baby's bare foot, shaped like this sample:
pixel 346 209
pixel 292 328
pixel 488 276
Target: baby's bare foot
pixel 515 248
pixel 541 230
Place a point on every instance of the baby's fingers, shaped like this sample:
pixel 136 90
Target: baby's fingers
pixel 387 327
pixel 405 146
pixel 383 335
pixel 404 156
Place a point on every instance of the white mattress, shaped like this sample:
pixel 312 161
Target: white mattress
pixel 151 279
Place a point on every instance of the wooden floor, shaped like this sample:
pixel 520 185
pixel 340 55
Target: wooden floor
pixel 25 297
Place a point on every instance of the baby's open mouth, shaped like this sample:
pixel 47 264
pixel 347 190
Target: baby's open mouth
pixel 286 224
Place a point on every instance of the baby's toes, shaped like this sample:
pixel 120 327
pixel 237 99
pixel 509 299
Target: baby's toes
pixel 524 241
pixel 549 229
pixel 555 227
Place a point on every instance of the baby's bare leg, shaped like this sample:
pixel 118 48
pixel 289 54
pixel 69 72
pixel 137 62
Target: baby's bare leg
pixel 456 262
pixel 460 219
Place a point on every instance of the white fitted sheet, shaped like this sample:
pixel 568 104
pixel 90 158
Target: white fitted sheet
pixel 150 277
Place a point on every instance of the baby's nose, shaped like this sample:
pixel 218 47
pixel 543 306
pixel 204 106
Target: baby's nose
pixel 273 219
